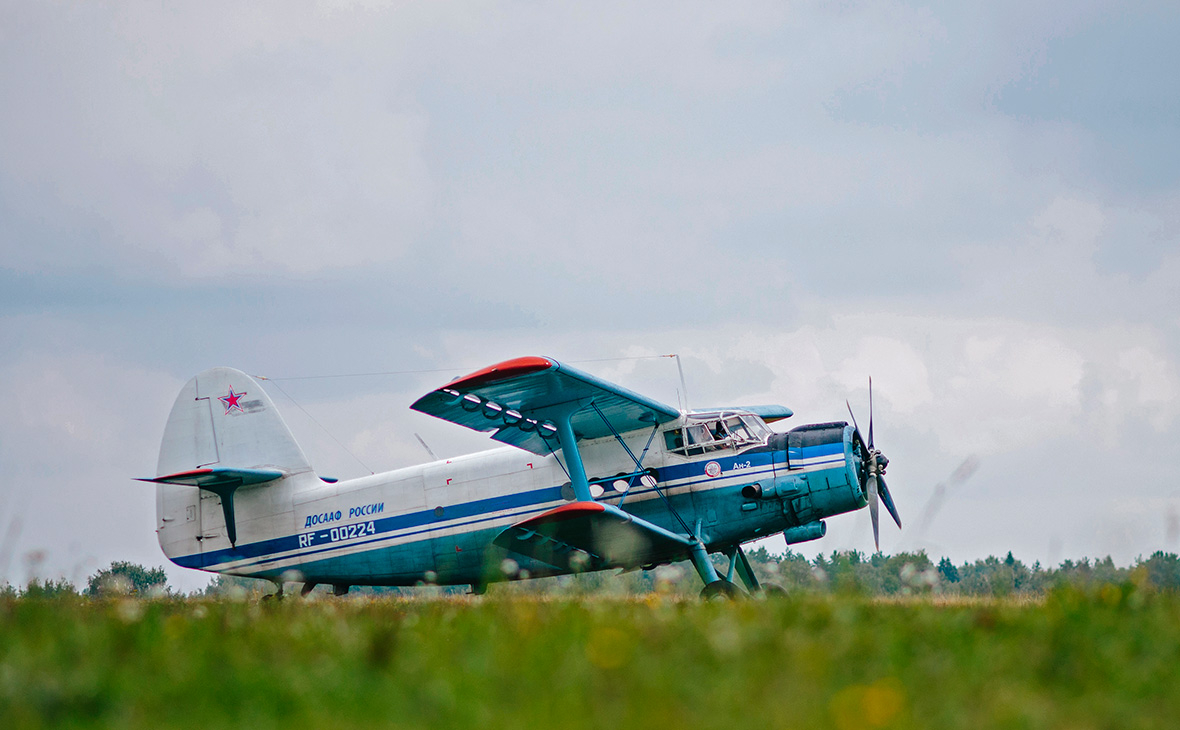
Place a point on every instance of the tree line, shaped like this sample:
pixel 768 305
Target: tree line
pixel 908 573
pixel 842 571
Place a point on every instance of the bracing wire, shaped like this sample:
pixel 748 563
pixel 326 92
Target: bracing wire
pixel 422 372
pixel 439 370
pixel 322 427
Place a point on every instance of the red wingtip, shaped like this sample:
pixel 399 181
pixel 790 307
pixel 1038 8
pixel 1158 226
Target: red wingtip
pixel 190 473
pixel 570 511
pixel 501 371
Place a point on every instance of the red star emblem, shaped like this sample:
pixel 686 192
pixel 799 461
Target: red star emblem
pixel 231 400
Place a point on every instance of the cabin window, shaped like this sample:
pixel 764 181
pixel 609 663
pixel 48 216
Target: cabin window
pixel 698 434
pixel 720 432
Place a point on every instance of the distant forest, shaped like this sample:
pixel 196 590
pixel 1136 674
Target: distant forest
pixel 851 572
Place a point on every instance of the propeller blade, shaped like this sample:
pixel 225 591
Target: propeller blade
pixel 870 411
pixel 888 500
pixel 872 480
pixel 862 440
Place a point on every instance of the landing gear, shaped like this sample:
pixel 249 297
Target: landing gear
pixel 277 595
pixel 478 589
pixel 340 589
pixel 715 585
pixel 741 565
pixel 306 589
pixel 774 590
pixel 721 588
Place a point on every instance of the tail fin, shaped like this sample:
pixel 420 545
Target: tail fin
pixel 223 433
pixel 223 417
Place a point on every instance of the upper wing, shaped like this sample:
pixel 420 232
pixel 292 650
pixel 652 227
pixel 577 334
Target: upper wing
pixel 602 534
pixel 770 414
pixel 512 399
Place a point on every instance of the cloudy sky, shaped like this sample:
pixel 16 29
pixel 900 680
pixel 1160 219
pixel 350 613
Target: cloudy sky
pixel 977 205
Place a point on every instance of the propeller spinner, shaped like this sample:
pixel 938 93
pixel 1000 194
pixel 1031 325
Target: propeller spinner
pixel 875 463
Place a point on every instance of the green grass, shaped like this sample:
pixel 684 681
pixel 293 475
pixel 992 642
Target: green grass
pixel 1104 660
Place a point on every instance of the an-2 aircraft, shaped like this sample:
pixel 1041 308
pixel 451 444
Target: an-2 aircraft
pixel 594 476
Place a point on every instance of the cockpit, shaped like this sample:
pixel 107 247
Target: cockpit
pixel 705 432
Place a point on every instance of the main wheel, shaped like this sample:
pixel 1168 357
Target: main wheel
pixel 721 589
pixel 773 590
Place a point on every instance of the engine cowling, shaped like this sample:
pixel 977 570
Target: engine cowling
pixel 824 471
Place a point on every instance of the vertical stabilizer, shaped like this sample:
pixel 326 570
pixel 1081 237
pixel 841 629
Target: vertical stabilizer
pixel 223 433
pixel 223 417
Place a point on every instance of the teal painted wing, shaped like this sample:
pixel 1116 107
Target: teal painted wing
pixel 596 534
pixel 513 397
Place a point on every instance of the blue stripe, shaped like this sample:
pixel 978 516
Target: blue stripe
pixel 343 544
pixel 288 543
pixel 811 452
pixel 697 468
pixel 266 550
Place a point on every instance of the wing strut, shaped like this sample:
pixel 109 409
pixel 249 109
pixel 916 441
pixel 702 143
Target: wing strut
pixel 639 467
pixel 569 449
pixel 640 472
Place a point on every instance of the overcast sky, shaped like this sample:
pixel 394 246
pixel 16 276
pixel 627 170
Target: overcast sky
pixel 976 204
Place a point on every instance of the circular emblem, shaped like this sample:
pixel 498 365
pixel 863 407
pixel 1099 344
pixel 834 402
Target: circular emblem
pixel 713 469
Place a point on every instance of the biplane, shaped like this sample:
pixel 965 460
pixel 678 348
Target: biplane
pixel 591 476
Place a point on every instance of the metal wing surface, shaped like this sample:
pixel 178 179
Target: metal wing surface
pixel 514 399
pixel 597 534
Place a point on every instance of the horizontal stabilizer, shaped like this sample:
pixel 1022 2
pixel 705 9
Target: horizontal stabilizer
pixel 222 481
pixel 597 534
pixel 218 475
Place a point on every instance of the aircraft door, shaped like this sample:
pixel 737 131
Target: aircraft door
pixel 779 458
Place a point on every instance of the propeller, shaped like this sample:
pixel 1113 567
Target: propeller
pixel 875 463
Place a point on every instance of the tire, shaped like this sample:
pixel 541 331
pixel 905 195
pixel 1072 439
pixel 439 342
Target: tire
pixel 721 589
pixel 773 590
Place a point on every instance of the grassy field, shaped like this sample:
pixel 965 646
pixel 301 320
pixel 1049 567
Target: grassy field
pixel 1109 659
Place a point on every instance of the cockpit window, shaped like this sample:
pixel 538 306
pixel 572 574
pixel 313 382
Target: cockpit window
pixel 711 432
pixel 757 427
pixel 737 429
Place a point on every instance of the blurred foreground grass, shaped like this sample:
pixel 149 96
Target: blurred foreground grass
pixel 1107 659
